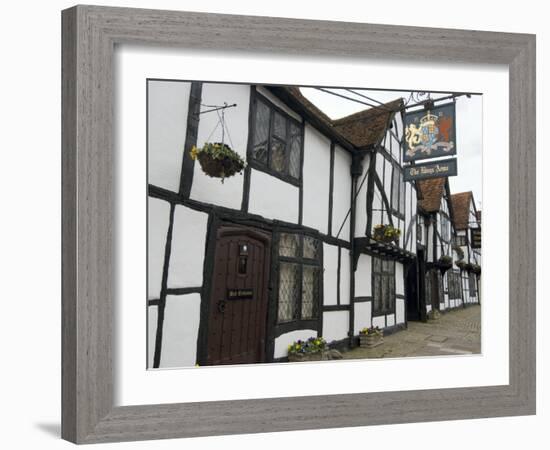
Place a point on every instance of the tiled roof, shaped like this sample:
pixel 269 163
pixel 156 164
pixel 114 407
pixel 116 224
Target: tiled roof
pixel 367 127
pixel 361 129
pixel 431 192
pixel 461 209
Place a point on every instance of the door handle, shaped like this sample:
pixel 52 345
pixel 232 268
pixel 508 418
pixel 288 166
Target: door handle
pixel 221 306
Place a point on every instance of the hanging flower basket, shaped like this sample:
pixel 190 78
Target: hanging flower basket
pixel 445 263
pixel 218 160
pixel 476 269
pixel 461 265
pixel 371 337
pixel 386 233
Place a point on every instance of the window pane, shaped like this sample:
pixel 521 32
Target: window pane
pixel 295 150
pixel 384 293
pixel 377 293
pixel 288 245
pixel 279 126
pixel 261 124
pixel 311 247
pixel 310 291
pixel 261 133
pixel 288 291
pixel 278 155
pixel 376 264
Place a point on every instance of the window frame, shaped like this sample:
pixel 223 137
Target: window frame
pixel 401 190
pixel 272 137
pixel 472 285
pixel 300 260
pixel 454 286
pixel 384 274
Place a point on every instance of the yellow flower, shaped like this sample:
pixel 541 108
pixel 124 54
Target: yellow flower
pixel 194 152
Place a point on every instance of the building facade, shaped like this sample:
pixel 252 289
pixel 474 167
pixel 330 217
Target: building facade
pixel 239 270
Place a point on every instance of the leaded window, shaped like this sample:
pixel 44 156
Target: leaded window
pixel 299 277
pixel 453 282
pixel 472 284
pixel 276 145
pixel 383 271
pixel 397 190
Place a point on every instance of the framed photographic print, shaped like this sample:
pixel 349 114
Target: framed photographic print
pixel 265 230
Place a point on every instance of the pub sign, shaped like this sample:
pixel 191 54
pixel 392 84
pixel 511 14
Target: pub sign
pixel 432 169
pixel 430 133
pixel 475 237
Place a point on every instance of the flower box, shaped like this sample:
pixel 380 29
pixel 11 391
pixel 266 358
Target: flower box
pixel 371 337
pixel 307 357
pixel 386 233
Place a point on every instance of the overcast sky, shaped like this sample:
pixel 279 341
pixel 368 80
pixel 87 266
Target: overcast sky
pixel 468 129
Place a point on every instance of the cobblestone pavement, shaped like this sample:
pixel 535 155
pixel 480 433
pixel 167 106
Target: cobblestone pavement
pixel 456 332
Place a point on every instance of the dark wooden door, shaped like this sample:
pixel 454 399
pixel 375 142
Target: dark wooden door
pixel 239 297
pixel 411 292
pixel 435 294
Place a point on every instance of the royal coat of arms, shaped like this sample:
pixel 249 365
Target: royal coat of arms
pixel 429 134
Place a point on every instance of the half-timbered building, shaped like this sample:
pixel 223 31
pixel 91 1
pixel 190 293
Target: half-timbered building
pixel 466 221
pixel 239 270
pixel 439 274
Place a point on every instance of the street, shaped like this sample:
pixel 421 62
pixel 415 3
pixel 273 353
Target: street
pixel 456 332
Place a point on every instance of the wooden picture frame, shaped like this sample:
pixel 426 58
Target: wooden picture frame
pixel 89 36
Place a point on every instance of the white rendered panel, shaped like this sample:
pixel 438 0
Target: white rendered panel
pixel 188 248
pixel 341 194
pixel 399 310
pixel 390 320
pixel 330 274
pixel 152 318
pixel 158 221
pixel 399 281
pixel 362 317
pixel 316 174
pixel 379 321
pixel 363 285
pixel 168 102
pixel 345 276
pixel 180 331
pixel 273 198
pixel 335 325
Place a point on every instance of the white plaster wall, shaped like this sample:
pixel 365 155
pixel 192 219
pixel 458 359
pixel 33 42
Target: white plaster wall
pixel 390 320
pixel 361 202
pixel 284 340
pixel 344 276
pixel 379 321
pixel 212 190
pixel 273 198
pixel 442 306
pixel 399 281
pixel 335 325
pixel 330 274
pixel 363 287
pixel 341 193
pixel 428 308
pixel 158 221
pixel 180 330
pixel 168 102
pixel 316 174
pixel 387 180
pixel 400 310
pixel 152 317
pixel 362 317
pixel 188 248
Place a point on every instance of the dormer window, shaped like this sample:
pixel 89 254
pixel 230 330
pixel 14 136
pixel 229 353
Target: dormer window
pixel 276 141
